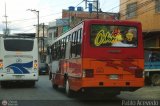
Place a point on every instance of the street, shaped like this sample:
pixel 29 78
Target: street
pixel 44 95
pixel 95 47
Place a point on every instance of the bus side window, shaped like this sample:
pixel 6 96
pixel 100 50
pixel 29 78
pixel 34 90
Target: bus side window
pixel 79 42
pixel 68 50
pixel 73 45
pixel 53 52
pixel 63 49
pixel 56 51
pixel 59 49
pixel 76 44
pixel 68 47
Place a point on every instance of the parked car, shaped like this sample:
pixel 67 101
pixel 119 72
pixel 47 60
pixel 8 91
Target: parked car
pixel 43 68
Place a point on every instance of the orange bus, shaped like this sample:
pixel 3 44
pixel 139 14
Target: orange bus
pixel 99 54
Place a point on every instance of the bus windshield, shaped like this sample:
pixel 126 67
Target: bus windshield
pixel 18 45
pixel 113 36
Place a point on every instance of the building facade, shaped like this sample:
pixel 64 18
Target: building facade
pixel 148 13
pixel 76 16
pixel 71 18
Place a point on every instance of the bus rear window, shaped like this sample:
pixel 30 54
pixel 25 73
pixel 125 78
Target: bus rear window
pixel 113 36
pixel 18 45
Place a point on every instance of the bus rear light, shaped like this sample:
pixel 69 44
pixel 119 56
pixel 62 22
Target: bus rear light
pixel 35 61
pixel 66 65
pixel 1 65
pixel 88 73
pixel 35 65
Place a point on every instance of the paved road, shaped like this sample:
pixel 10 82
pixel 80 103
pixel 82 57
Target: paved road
pixel 145 93
pixel 44 95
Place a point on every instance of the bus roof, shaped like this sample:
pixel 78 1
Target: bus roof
pixel 19 36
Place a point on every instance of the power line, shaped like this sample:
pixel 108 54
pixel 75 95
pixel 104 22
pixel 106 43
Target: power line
pixel 119 5
pixel 36 17
pixel 138 7
pixel 80 3
pixel 126 8
pixel 24 20
pixel 44 15
pixel 28 30
pixel 23 27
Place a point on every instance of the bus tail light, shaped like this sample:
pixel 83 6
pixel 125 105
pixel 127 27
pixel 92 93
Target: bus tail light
pixel 88 73
pixel 35 64
pixel 1 63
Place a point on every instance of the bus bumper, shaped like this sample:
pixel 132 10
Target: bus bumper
pixel 17 77
pixel 120 85
pixel 113 83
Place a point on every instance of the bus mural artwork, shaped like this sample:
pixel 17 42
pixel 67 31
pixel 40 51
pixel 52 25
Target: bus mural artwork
pixel 111 38
pixel 99 54
pixel 124 64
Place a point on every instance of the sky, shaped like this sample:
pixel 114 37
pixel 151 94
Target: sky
pixel 20 20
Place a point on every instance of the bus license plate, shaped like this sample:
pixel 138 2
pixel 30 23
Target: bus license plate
pixel 18 77
pixel 114 77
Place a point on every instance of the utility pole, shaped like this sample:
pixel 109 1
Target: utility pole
pixel 6 22
pixel 97 6
pixel 37 12
pixel 43 37
pixel 97 9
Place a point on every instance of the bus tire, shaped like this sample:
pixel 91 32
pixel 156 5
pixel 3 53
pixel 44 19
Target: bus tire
pixel 68 91
pixel 50 75
pixel 3 84
pixel 55 86
pixel 155 79
pixel 31 83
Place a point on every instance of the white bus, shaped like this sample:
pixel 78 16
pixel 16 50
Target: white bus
pixel 18 60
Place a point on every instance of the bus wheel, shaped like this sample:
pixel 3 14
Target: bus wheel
pixel 68 91
pixel 50 75
pixel 155 79
pixel 32 83
pixel 3 84
pixel 55 86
